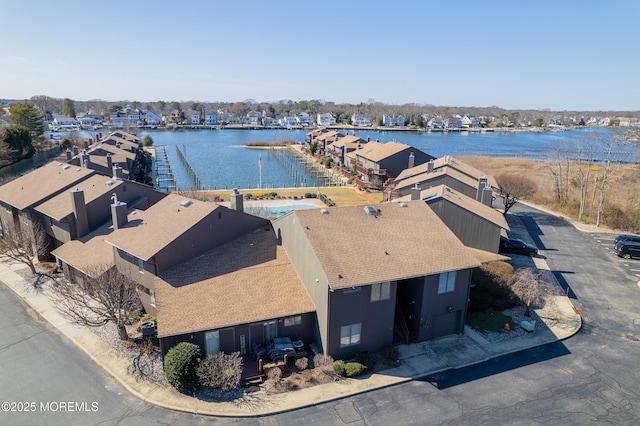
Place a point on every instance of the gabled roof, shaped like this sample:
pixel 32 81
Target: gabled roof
pixel 251 277
pixel 396 241
pixel 425 178
pixel 443 192
pixel 349 141
pixel 451 162
pixel 376 152
pixel 149 231
pixel 330 136
pixel 42 183
pixel 91 254
pixel 60 206
pixel 104 149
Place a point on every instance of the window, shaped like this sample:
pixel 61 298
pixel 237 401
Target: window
pixel 447 282
pixel 380 291
pixel 212 342
pixel 297 320
pixel 270 330
pixel 152 297
pixel 350 335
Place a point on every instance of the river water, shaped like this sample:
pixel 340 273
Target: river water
pixel 221 160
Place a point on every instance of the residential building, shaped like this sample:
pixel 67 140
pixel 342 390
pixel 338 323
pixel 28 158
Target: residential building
pixel 211 118
pixel 377 162
pixel 475 222
pixel 303 119
pixel 325 119
pixel 152 119
pixel 358 120
pixel 393 121
pixel 174 230
pixel 342 146
pixel 367 288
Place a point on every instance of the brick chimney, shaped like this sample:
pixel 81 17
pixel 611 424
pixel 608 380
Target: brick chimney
pixel 118 212
pixel 79 213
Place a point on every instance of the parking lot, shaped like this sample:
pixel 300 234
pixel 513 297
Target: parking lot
pixel 631 267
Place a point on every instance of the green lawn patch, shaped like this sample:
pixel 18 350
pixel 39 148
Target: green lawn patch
pixel 489 321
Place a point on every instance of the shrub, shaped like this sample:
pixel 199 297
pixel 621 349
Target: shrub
pixel 364 359
pixel 479 301
pixel 302 363
pixel 339 368
pixel 310 195
pixel 221 371
pixel 133 317
pixel 180 365
pixel 390 352
pixel 322 360
pixel 353 369
pixel 493 278
pixel 327 162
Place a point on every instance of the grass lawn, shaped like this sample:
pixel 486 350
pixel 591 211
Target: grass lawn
pixel 341 195
pixel 489 321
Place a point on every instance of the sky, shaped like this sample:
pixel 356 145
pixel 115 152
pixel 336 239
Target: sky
pixel 570 55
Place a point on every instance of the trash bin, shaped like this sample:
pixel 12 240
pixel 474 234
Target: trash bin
pixel 148 329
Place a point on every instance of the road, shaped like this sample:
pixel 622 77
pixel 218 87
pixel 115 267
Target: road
pixel 592 377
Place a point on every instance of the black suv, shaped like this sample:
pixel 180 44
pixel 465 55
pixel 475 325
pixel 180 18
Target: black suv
pixel 514 245
pixel 627 238
pixel 627 249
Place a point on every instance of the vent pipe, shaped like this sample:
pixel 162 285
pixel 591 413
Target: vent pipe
pixel 430 166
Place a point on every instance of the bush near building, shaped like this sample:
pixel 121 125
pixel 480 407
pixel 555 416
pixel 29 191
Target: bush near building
pixel 180 365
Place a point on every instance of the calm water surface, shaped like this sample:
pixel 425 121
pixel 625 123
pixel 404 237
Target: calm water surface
pixel 221 160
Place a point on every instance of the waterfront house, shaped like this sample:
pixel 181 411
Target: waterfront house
pixel 379 274
pixel 288 121
pixel 342 146
pixel 325 119
pixel 358 120
pixel 377 162
pixel 152 119
pixel 192 117
pixel 393 121
pixel 211 118
pixel 476 223
pixel 303 119
pixel 453 123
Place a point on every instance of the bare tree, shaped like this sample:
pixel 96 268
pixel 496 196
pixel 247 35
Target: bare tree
pixel 558 165
pixel 512 188
pixel 608 147
pixel 586 152
pixel 24 243
pixel 101 296
pixel 531 289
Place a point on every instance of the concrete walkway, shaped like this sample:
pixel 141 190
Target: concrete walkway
pixel 416 360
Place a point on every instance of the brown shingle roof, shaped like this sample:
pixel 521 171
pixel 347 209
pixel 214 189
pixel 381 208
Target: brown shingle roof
pixel 401 240
pixel 445 193
pixel 425 179
pixel 249 279
pixel 60 206
pixel 446 161
pixel 41 184
pixel 90 254
pixel 149 231
pixel 375 151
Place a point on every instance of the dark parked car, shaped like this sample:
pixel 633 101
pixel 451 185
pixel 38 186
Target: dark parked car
pixel 627 249
pixel 628 237
pixel 515 245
